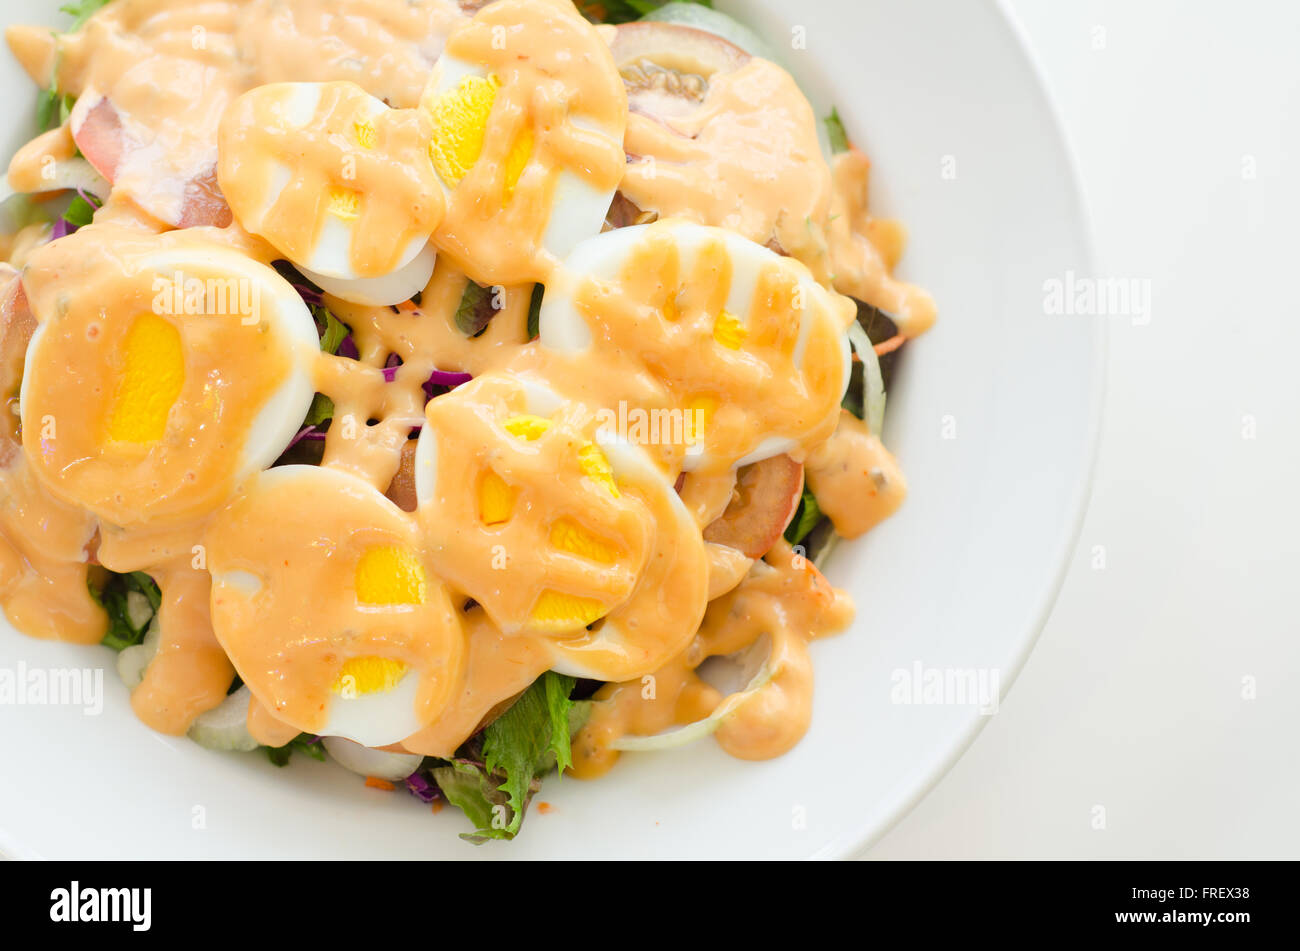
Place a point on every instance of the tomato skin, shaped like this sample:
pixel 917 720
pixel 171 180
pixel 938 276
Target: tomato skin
pixel 767 494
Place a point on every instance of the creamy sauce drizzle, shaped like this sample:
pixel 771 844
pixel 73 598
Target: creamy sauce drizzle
pixel 746 158
pixel 161 76
pixel 785 600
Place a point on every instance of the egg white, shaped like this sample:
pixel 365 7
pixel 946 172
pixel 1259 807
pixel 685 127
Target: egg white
pixel 626 460
pixel 629 463
pixel 371 719
pixel 289 321
pixel 329 263
pixel 577 208
pixel 539 400
pixel 562 327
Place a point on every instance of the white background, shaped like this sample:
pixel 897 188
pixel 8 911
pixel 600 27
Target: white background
pixel 1185 117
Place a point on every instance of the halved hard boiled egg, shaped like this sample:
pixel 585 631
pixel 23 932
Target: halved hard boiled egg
pixel 163 378
pixel 558 528
pixel 745 340
pixel 527 112
pixel 326 602
pixel 337 182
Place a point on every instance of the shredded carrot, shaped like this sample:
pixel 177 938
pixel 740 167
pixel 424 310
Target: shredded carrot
pixel 407 305
pixel 890 345
pixel 437 806
pixel 374 782
pixel 543 807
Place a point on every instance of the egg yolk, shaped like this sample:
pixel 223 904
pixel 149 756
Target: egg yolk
pixel 566 612
pixel 366 134
pixel 527 427
pixel 344 203
pixel 460 117
pixel 569 536
pixel 557 610
pixel 367 675
pixel 517 159
pixel 729 331
pixel 391 575
pixel 151 380
pixel 496 499
pixel 698 413
pixel 595 465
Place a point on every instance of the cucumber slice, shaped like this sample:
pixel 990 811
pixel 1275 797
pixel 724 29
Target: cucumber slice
pixel 225 727
pixel 715 22
pixel 138 609
pixel 131 663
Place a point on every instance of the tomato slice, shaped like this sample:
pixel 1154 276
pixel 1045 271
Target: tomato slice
pixel 16 328
pixel 104 139
pixel 401 491
pixel 766 496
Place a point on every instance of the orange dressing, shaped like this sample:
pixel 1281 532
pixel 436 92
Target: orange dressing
pixel 746 159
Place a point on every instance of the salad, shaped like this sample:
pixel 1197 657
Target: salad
pixel 462 392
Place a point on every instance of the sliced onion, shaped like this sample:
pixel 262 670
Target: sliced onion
pixel 715 22
pixel 873 382
pixel 710 724
pixel 225 727
pixel 365 761
pixel 73 174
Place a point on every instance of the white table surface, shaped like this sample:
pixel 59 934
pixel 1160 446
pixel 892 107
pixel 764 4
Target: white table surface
pixel 1185 117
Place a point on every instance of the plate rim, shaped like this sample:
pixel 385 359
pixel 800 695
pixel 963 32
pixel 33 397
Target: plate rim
pixel 856 844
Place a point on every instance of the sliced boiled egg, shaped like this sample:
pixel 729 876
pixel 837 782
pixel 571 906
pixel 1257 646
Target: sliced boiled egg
pixel 557 527
pixel 527 113
pixel 745 340
pixel 326 602
pixel 164 379
pixel 337 182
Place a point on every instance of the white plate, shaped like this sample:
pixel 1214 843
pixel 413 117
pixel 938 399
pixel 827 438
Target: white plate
pixel 963 577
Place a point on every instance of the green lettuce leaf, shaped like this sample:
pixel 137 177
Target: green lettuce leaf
pixel 476 793
pixel 280 755
pixel 835 130
pixel 321 409
pixel 52 108
pixel 79 213
pixel 805 518
pixel 516 742
pixel 128 617
pixel 81 11
pixel 494 787
pixel 624 11
pixel 475 309
pixel 332 334
pixel 332 330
